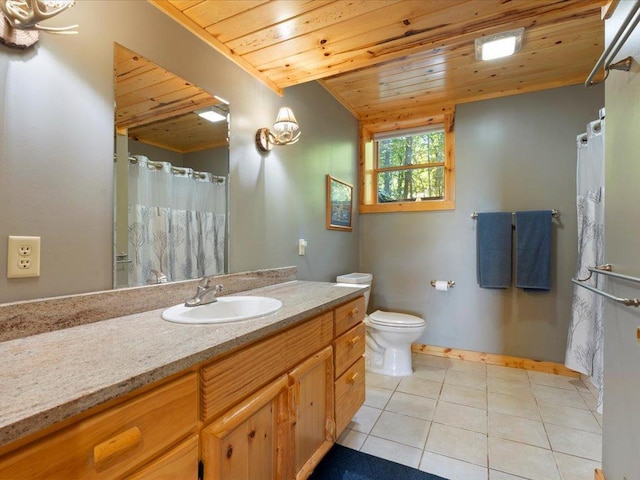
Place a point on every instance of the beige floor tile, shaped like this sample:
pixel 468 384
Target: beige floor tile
pixel 558 381
pixel 477 368
pixel 518 429
pixel 412 405
pixel 508 373
pixel 523 460
pixel 496 475
pixel 382 381
pixel 461 416
pixel 464 396
pixel 351 439
pixel 559 396
pixel 598 417
pixel 575 468
pixel 431 361
pixel 377 397
pixel 419 386
pixel 587 384
pixel 395 452
pixel 427 372
pixel 575 442
pixel 570 417
pixel 458 443
pixel 364 419
pixel 451 468
pixel 402 429
pixel 525 407
pixel 509 387
pixel 590 400
pixel 464 379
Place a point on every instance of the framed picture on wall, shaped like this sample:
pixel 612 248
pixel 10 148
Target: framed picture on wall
pixel 339 204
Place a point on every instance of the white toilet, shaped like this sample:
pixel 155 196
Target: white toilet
pixel 389 334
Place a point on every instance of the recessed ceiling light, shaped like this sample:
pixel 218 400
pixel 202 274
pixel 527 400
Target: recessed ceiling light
pixel 499 45
pixel 211 115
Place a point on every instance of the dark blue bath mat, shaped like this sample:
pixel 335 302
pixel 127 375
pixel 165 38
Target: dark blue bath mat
pixel 342 463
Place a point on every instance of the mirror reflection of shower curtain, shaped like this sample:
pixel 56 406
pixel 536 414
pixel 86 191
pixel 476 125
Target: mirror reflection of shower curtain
pixel 177 222
pixel 586 333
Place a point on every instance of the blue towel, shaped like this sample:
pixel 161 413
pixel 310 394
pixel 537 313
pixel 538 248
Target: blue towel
pixel 533 249
pixel 493 241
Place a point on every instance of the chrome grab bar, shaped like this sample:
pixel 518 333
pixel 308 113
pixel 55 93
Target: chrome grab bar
pixel 607 270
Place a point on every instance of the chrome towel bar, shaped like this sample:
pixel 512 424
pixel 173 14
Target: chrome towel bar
pixel 607 270
pixel 554 213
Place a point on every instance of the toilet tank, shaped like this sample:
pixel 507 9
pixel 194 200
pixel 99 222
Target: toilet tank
pixel 358 280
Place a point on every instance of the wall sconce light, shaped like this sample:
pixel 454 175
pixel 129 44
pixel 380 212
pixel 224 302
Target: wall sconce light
pixel 285 131
pixel 499 45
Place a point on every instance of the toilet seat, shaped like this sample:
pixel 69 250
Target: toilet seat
pixel 394 319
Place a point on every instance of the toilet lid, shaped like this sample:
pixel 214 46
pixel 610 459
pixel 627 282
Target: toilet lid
pixel 393 319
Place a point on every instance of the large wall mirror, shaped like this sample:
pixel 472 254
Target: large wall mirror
pixel 171 174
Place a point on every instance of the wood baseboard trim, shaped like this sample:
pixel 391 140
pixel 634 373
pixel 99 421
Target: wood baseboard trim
pixel 495 359
pixel 599 475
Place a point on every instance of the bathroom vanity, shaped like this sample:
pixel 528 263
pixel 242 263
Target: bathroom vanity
pixel 137 397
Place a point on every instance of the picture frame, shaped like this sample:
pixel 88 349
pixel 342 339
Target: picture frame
pixel 339 205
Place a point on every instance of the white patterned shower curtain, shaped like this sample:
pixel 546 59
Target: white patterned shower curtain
pixel 177 222
pixel 585 340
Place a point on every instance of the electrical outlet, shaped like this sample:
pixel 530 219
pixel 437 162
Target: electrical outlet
pixel 24 264
pixel 23 257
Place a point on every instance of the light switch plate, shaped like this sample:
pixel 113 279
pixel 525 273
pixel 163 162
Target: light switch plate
pixel 23 257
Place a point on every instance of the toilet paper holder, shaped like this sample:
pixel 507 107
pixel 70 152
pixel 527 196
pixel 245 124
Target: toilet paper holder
pixel 450 283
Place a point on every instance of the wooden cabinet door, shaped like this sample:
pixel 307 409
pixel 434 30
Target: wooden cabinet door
pixel 311 404
pixel 249 441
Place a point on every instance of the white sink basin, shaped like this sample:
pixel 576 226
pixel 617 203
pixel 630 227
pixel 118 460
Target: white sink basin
pixel 226 309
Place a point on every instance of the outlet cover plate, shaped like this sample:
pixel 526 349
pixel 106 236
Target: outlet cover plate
pixel 19 251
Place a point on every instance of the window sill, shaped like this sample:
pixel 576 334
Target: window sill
pixel 428 205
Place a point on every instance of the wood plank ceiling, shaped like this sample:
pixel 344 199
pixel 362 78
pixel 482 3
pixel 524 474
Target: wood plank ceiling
pixel 156 107
pixel 391 61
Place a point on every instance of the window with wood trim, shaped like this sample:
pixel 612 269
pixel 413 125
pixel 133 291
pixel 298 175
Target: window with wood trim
pixel 408 170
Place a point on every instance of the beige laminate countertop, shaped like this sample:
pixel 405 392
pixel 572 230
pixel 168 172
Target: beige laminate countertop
pixel 52 376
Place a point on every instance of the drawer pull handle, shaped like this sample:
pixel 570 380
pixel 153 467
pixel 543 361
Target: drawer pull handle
pixel 352 378
pixel 104 452
pixel 354 312
pixel 354 341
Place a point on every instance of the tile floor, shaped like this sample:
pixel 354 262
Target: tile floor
pixel 470 421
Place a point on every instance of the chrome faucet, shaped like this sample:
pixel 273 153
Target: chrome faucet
pixel 205 288
pixel 160 277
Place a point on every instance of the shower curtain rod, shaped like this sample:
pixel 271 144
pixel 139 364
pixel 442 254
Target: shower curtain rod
pixel 158 165
pixel 554 213
pixel 614 47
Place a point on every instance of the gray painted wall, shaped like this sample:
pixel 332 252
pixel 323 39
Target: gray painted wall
pixel 621 439
pixel 513 153
pixel 56 153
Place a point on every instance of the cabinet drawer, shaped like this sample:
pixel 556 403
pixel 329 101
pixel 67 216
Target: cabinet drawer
pixel 227 381
pixel 348 315
pixel 113 442
pixel 180 462
pixel 348 348
pixel 350 390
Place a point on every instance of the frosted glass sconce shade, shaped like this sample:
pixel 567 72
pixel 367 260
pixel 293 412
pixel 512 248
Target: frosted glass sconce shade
pixel 285 131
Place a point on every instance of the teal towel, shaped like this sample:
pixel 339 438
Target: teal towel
pixel 493 243
pixel 533 249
